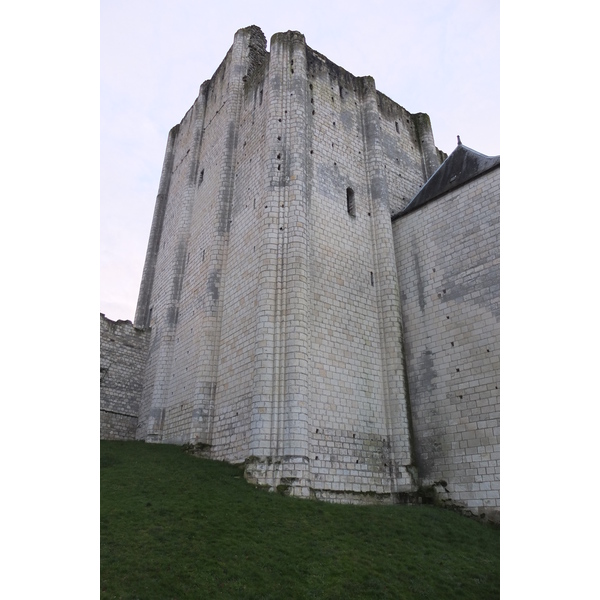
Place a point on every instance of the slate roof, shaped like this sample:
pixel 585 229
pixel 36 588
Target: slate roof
pixel 463 165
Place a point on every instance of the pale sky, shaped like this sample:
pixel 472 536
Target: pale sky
pixel 441 57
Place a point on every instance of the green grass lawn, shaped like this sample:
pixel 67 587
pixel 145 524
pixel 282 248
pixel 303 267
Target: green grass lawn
pixel 174 526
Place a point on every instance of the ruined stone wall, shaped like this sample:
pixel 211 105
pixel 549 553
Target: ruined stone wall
pixel 123 350
pixel 448 266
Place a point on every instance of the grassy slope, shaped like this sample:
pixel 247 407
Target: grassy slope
pixel 174 527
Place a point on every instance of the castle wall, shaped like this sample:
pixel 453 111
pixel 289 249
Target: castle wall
pixel 357 440
pixel 238 279
pixel 186 302
pixel 270 283
pixel 328 390
pixel 123 349
pixel 448 266
pixel 349 438
pixel 408 153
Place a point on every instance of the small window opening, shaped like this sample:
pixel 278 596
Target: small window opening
pixel 260 95
pixel 351 205
pixel 397 127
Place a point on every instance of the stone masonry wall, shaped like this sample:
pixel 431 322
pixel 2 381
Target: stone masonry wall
pixel 241 250
pixel 123 351
pixel 448 265
pixel 352 134
pixel 185 293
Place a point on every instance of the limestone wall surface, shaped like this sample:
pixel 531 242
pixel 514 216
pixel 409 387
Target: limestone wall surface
pixel 448 260
pixel 359 438
pixel 184 295
pixel 123 350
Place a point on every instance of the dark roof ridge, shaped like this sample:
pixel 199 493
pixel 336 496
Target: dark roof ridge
pixel 463 165
pixel 473 151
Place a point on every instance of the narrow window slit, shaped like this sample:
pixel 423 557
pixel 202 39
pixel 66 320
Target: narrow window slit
pixel 350 203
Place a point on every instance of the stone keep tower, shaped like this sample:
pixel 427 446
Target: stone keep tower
pixel 270 285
